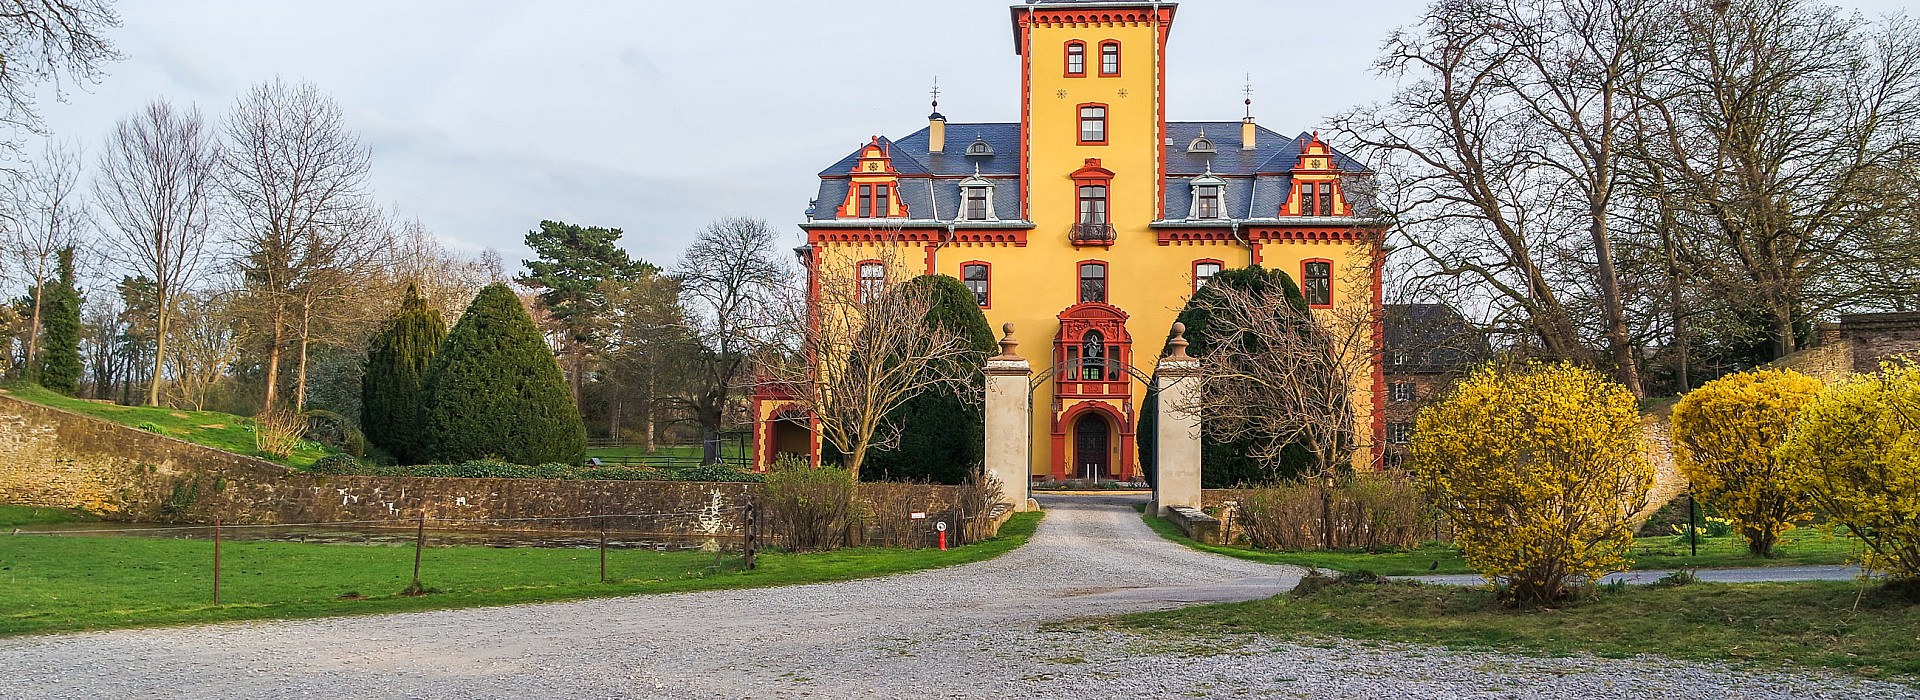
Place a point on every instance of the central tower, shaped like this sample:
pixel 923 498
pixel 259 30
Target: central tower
pixel 1093 115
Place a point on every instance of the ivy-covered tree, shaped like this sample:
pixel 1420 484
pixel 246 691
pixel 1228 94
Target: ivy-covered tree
pixel 396 366
pixel 942 435
pixel 494 390
pixel 1225 462
pixel 57 365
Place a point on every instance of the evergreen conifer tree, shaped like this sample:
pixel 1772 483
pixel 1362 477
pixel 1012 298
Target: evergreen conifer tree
pixel 396 366
pixel 58 362
pixel 942 436
pixel 1223 462
pixel 495 390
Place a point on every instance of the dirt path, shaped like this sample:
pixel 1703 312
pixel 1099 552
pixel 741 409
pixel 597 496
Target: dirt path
pixel 964 632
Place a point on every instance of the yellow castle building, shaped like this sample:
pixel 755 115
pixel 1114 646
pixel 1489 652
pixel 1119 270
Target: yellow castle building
pixel 1089 223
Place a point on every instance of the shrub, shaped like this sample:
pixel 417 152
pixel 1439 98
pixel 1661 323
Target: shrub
pixel 809 508
pixel 397 364
pixel 1370 512
pixel 335 431
pixel 277 433
pixel 495 390
pixel 1725 434
pixel 942 434
pixel 57 366
pixel 335 465
pixel 1856 450
pixel 1539 468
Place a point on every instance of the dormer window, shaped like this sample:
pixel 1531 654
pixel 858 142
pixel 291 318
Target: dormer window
pixel 1201 145
pixel 976 198
pixel 1206 202
pixel 979 147
pixel 1076 59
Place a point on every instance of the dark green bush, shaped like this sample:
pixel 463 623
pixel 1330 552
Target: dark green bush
pixel 494 390
pixel 335 431
pixel 942 436
pixel 499 469
pixel 336 464
pixel 396 365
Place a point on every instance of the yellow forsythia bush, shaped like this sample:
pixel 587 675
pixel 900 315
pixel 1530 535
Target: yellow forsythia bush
pixel 1539 467
pixel 1725 434
pixel 1856 448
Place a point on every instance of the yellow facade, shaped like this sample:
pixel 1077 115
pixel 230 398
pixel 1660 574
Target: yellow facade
pixel 1037 236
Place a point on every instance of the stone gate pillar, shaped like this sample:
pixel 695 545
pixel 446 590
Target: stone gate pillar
pixel 1009 422
pixel 1176 475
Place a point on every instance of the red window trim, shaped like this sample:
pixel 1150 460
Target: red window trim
pixel 1066 59
pixel 1080 129
pixel 858 280
pixel 1106 275
pixel 1303 282
pixel 989 280
pixel 1196 270
pixel 1115 43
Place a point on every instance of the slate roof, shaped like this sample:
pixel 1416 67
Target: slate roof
pixel 1257 180
pixel 1431 338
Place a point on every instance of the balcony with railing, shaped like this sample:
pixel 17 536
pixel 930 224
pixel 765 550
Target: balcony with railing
pixel 1091 233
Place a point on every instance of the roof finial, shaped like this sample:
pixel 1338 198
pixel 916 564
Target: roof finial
pixel 936 94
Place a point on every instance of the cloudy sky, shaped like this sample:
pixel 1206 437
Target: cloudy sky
pixel 657 117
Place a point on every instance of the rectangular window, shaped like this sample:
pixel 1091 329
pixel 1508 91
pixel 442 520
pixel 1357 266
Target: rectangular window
pixel 1208 203
pixel 1110 58
pixel 1318 284
pixel 1400 391
pixel 1306 200
pixel 1093 282
pixel 1399 433
pixel 1326 199
pixel 975 277
pixel 1093 124
pixel 1076 58
pixel 1093 204
pixel 866 201
pixel 873 281
pixel 1204 272
pixel 880 200
pixel 976 204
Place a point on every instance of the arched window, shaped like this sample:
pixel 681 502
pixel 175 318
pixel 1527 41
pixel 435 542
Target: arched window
pixel 975 277
pixel 1316 282
pixel 1093 124
pixel 1110 58
pixel 1093 282
pixel 1076 59
pixel 873 280
pixel 1093 353
pixel 1203 271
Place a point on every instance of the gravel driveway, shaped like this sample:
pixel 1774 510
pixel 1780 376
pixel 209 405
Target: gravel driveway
pixel 963 632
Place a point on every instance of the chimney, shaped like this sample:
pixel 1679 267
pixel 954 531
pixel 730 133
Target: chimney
pixel 1248 134
pixel 936 133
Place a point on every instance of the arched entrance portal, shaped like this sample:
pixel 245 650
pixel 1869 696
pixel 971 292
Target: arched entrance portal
pixel 1092 447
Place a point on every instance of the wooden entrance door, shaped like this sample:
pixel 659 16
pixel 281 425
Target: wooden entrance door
pixel 1090 451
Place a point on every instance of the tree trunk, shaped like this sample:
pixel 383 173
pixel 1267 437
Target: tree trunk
pixel 161 326
pixel 33 331
pixel 1619 338
pixel 273 362
pixel 1783 342
pixel 646 417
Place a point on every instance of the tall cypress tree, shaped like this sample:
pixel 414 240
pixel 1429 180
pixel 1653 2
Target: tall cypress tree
pixel 942 437
pixel 494 390
pixel 1224 462
pixel 396 366
pixel 58 361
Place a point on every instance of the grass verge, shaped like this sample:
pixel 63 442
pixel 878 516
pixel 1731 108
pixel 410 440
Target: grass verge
pixel 62 583
pixel 16 516
pixel 1801 547
pixel 1870 632
pixel 221 431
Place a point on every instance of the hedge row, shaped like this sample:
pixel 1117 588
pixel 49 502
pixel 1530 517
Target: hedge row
pixel 496 469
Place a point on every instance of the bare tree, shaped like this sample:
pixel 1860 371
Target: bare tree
pixel 862 351
pixel 49 42
pixel 47 215
pixel 204 348
pixel 447 281
pixel 301 220
pixel 730 279
pixel 156 185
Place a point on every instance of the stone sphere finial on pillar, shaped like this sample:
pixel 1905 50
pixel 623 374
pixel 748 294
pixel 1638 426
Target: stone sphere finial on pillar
pixel 1007 343
pixel 1178 343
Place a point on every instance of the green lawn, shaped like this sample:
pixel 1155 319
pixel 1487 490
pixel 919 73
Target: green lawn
pixel 16 516
pixel 1868 631
pixel 222 431
pixel 58 583
pixel 1803 546
pixel 730 450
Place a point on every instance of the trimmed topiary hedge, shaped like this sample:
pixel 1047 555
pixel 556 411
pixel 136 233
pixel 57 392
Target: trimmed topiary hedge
pixel 494 390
